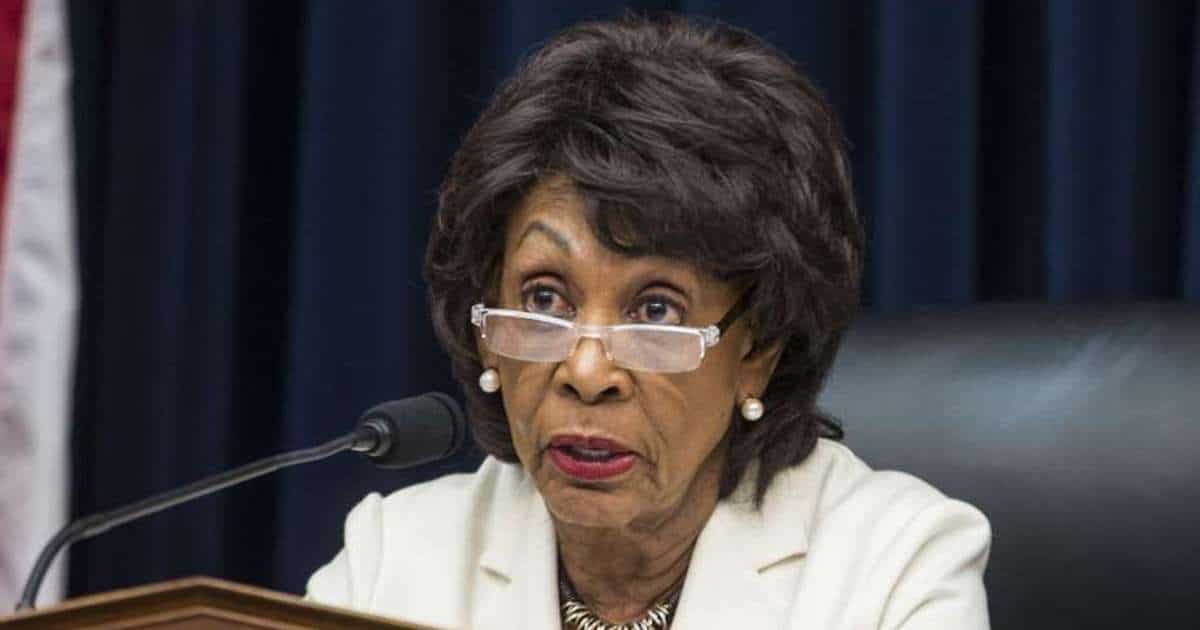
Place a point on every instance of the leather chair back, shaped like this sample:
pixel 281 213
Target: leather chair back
pixel 1075 429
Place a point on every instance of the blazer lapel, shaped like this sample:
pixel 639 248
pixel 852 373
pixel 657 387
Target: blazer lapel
pixel 745 569
pixel 516 580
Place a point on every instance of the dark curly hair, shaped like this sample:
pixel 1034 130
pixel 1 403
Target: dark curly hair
pixel 695 141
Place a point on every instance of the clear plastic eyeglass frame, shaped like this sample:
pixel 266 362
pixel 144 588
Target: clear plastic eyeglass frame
pixel 643 347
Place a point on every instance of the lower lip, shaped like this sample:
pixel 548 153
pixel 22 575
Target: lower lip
pixel 592 470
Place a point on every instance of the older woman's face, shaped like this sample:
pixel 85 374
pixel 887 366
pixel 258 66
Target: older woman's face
pixel 671 425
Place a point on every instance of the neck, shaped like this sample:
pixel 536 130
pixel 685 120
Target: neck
pixel 621 572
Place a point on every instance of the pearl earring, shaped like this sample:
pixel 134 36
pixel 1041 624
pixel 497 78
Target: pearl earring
pixel 489 381
pixel 752 409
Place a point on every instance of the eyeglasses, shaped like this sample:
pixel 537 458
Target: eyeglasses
pixel 642 347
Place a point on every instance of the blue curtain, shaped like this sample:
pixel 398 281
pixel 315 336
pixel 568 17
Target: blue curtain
pixel 256 181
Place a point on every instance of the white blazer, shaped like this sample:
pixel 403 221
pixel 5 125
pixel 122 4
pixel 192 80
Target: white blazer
pixel 835 545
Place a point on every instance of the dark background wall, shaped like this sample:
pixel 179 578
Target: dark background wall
pixel 256 181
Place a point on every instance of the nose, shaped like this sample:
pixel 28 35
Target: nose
pixel 590 376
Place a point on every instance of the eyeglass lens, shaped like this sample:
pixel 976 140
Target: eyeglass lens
pixel 649 350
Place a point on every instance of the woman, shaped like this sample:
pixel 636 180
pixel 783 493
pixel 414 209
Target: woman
pixel 645 255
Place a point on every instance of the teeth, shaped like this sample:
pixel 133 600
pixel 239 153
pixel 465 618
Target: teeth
pixel 591 453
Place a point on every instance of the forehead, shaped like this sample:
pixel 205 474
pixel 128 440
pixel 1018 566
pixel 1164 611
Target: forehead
pixel 550 226
pixel 555 201
pixel 552 214
pixel 553 218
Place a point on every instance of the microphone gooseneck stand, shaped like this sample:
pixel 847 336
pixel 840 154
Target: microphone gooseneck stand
pixel 395 434
pixel 363 439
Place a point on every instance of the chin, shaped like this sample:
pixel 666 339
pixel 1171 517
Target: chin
pixel 588 507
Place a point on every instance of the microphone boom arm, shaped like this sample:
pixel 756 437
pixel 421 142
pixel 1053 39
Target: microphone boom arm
pixel 364 439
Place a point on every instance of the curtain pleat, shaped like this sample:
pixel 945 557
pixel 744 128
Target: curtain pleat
pixel 1189 244
pixel 152 403
pixel 925 155
pixel 1094 61
pixel 372 148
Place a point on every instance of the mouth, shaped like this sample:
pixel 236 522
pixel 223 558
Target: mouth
pixel 590 458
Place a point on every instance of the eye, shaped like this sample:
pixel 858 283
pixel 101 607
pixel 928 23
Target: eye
pixel 546 300
pixel 657 309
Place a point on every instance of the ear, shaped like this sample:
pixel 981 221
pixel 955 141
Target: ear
pixel 758 363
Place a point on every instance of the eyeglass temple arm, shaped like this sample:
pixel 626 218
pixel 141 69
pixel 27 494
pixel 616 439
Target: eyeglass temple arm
pixel 738 309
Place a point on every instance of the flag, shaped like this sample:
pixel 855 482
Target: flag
pixel 38 288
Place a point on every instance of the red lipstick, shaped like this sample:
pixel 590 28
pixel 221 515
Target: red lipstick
pixel 590 458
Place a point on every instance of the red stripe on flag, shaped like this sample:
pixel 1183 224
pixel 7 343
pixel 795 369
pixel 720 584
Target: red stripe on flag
pixel 12 22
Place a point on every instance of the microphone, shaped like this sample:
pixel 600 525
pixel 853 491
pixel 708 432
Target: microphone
pixel 412 431
pixel 395 434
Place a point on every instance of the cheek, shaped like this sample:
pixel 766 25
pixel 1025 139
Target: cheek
pixel 711 397
pixel 692 415
pixel 712 388
pixel 524 387
pixel 709 403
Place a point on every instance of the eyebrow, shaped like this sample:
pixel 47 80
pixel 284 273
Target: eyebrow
pixel 554 235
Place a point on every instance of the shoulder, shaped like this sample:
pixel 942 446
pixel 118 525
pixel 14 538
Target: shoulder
pixel 847 484
pixel 451 496
pixel 907 550
pixel 832 483
pixel 896 514
pixel 427 522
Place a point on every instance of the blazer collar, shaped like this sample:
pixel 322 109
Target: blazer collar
pixel 517 518
pixel 737 577
pixel 780 529
pixel 519 558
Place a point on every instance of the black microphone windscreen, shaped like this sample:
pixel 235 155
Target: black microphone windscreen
pixel 420 429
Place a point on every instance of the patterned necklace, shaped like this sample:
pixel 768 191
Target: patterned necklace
pixel 577 616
